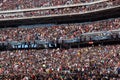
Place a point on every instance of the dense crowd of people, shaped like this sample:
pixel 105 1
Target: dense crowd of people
pixel 55 32
pixel 60 11
pixel 23 4
pixel 90 63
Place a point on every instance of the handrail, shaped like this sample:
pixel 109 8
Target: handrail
pixel 56 15
pixel 53 7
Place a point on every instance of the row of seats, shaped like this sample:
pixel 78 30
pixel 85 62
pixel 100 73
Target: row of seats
pixel 25 4
pixel 83 63
pixel 55 32
pixel 60 11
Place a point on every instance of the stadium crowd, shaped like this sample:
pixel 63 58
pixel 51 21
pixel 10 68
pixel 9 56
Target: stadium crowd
pixel 23 4
pixel 55 32
pixel 60 11
pixel 90 63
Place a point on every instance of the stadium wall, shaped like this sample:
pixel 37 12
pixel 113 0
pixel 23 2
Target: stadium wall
pixel 70 18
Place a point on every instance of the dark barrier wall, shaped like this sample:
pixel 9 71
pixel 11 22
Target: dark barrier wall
pixel 94 39
pixel 87 17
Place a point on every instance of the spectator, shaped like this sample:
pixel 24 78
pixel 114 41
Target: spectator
pixel 11 5
pixel 93 63
pixel 54 32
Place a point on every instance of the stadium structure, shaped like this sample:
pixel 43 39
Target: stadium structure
pixel 60 39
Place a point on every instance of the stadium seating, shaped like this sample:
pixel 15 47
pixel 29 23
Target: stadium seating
pixel 64 31
pixel 87 63
pixel 23 4
pixel 57 11
pixel 100 62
